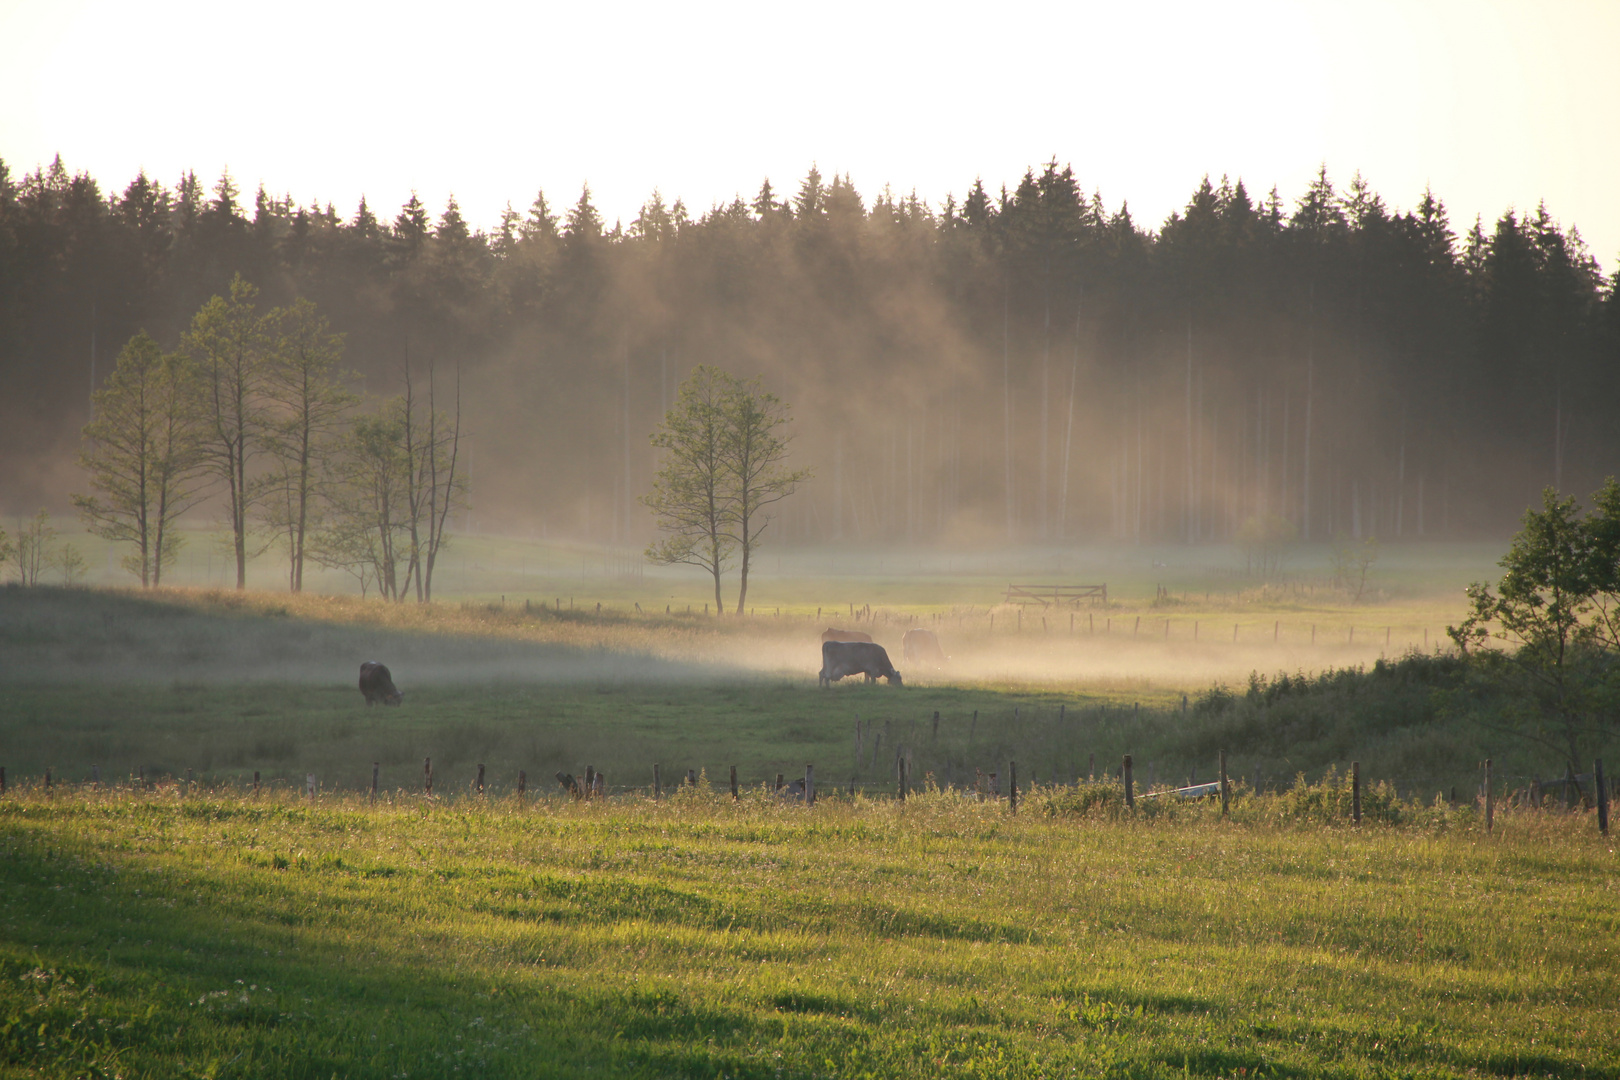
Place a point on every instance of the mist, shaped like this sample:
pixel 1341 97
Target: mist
pixel 1028 366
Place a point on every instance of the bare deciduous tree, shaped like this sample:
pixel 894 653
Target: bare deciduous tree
pixel 143 458
pixel 303 383
pixel 690 496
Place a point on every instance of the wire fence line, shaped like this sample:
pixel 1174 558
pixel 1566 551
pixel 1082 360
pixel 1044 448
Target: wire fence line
pixel 1583 791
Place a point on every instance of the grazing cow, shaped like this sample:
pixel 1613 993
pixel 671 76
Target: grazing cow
pixel 840 658
pixel 922 647
pixel 377 684
pixel 830 634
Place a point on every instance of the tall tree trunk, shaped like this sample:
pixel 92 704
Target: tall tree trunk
pixel 1187 500
pixel 1068 436
pixel 1006 402
pixel 1310 375
pixel 1041 504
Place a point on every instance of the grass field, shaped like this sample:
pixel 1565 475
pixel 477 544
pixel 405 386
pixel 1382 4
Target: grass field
pixel 194 929
pixel 156 934
pixel 225 684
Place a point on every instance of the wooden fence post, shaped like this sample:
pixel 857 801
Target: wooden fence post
pixel 255 780
pixel 1225 795
pixel 427 776
pixel 691 778
pixel 1012 787
pixel 1355 792
pixel 376 767
pixel 1602 796
pixel 1490 805
pixel 734 783
pixel 658 787
pixel 480 778
pixel 309 786
pixel 95 775
pixel 47 781
pixel 1130 796
pixel 902 779
pixel 590 780
pixel 936 725
pixel 809 785
pixel 1091 766
pixel 2 779
pixel 600 789
pixel 523 783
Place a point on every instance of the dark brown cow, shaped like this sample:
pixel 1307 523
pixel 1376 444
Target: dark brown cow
pixel 921 646
pixel 840 658
pixel 830 634
pixel 377 684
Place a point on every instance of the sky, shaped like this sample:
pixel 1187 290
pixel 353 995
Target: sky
pixel 1493 105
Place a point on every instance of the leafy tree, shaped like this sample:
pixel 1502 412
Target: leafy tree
pixel 144 456
pixel 1532 634
pixel 36 543
pixel 228 342
pixel 71 562
pixel 365 528
pixel 754 450
pixel 308 404
pixel 691 496
pixel 7 550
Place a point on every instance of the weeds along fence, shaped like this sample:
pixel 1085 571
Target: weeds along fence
pixel 1338 798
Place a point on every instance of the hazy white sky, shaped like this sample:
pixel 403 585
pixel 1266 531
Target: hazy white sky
pixel 1493 104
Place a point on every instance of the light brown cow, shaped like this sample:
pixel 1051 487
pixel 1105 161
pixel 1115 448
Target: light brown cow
pixel 921 646
pixel 844 635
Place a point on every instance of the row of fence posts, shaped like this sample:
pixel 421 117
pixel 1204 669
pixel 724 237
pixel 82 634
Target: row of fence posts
pixel 595 785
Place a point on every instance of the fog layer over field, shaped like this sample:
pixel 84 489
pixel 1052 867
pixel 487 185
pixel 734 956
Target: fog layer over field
pixel 501 620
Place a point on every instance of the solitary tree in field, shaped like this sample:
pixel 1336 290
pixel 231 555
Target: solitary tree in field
pixel 308 404
pixel 755 450
pixel 1545 634
pixel 143 457
pixel 227 342
pixel 692 497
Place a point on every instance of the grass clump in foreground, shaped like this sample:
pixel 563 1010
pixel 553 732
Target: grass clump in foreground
pixel 146 934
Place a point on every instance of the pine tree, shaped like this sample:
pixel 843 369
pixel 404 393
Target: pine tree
pixel 584 224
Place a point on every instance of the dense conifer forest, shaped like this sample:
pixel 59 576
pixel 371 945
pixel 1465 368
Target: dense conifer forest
pixel 1027 362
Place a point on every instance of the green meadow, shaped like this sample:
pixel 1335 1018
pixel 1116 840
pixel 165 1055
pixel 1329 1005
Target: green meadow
pixel 161 933
pixel 158 917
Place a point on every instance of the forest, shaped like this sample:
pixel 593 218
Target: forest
pixel 1027 363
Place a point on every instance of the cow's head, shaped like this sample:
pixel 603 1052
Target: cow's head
pixel 393 697
pixel 894 679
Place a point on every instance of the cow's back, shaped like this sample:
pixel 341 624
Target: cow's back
pixel 919 644
pixel 843 658
pixel 831 634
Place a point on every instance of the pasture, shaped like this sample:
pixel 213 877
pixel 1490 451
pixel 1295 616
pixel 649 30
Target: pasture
pixel 155 926
pixel 167 933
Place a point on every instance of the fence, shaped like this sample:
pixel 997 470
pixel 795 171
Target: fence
pixel 1598 793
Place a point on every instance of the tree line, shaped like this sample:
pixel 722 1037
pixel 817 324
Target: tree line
pixel 1027 363
pixel 252 408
